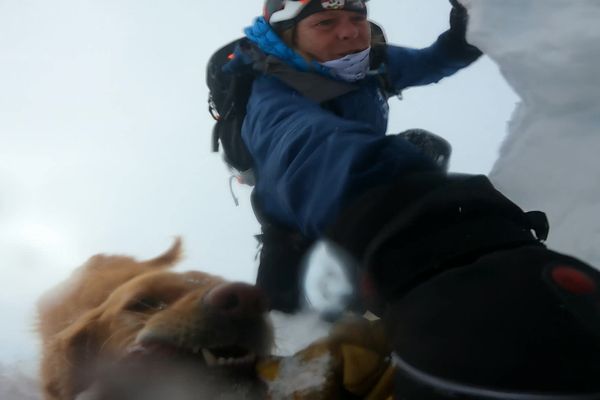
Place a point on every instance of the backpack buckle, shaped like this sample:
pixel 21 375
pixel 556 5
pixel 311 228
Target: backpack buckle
pixel 212 108
pixel 539 223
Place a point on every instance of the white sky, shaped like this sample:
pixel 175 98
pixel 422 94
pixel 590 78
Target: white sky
pixel 105 135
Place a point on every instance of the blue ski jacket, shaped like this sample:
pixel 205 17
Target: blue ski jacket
pixel 312 159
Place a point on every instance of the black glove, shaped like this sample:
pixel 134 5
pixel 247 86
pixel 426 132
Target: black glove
pixel 459 19
pixel 455 37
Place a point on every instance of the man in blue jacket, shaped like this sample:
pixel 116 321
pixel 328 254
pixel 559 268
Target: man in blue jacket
pixel 317 117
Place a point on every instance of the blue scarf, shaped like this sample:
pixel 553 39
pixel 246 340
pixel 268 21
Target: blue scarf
pixel 263 35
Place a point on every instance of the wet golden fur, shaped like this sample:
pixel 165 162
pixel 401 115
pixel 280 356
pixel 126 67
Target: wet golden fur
pixel 112 301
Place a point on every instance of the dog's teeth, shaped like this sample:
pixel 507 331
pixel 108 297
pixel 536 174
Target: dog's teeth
pixel 209 357
pixel 212 360
pixel 247 359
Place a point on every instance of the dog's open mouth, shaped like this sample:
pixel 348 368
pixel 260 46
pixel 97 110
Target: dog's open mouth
pixel 229 355
pixel 234 356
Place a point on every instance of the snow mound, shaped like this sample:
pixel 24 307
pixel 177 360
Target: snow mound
pixel 548 52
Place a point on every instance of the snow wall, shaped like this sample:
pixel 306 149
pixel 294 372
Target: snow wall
pixel 549 52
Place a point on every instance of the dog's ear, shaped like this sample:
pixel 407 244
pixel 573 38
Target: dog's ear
pixel 168 258
pixel 70 360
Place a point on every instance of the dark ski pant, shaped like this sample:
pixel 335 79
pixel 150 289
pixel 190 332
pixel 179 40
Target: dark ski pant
pixel 474 302
pixel 520 320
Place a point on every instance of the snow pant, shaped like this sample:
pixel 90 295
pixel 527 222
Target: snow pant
pixel 475 305
pixel 522 320
pixel 280 266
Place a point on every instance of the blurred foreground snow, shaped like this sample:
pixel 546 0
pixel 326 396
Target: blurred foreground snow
pixel 18 383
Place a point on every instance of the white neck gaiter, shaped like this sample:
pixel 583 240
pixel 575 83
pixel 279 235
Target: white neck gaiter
pixel 352 67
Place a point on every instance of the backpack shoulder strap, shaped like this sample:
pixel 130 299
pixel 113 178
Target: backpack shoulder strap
pixel 379 60
pixel 309 84
pixel 230 82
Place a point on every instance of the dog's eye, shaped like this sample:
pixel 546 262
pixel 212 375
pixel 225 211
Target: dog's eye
pixel 146 304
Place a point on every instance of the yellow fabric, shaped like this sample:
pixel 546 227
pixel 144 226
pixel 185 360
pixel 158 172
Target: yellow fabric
pixel 384 388
pixel 353 359
pixel 361 367
pixel 268 369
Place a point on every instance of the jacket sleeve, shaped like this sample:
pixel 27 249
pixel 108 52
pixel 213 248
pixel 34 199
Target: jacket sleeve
pixel 311 163
pixel 415 67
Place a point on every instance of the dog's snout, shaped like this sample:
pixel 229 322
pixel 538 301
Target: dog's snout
pixel 237 299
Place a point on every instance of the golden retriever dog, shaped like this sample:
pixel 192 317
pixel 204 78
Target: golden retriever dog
pixel 126 329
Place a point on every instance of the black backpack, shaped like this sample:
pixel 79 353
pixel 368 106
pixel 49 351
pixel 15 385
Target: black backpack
pixel 228 95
